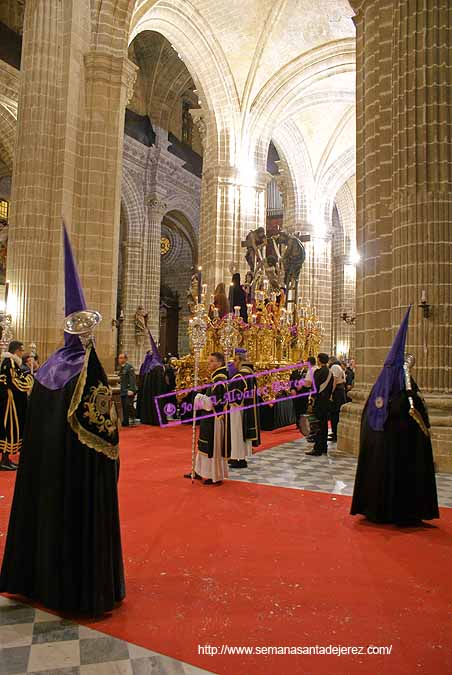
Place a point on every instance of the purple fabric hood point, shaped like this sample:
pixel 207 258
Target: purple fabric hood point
pixel 66 362
pixel 390 380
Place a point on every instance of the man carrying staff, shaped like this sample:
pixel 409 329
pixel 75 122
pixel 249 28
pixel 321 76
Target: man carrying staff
pixel 211 459
pixel 244 418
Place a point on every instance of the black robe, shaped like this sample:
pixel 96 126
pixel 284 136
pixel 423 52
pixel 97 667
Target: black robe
pixel 14 388
pixel 63 547
pixel 242 390
pixel 154 383
pixel 395 477
pixel 219 391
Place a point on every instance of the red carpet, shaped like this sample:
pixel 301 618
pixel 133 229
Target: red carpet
pixel 250 565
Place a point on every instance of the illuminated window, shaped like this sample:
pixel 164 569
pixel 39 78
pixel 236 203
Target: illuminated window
pixel 165 245
pixel 4 207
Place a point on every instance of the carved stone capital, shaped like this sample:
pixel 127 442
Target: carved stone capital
pixel 130 77
pixel 157 207
pixel 103 67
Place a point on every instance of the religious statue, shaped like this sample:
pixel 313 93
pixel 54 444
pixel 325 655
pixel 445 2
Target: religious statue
pixel 255 242
pixel 192 293
pixel 292 258
pixel 141 321
pixel 273 273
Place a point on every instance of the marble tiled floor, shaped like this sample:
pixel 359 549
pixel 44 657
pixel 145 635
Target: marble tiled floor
pixel 33 641
pixel 287 466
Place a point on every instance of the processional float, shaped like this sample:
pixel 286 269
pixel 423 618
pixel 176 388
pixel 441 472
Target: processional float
pixel 282 328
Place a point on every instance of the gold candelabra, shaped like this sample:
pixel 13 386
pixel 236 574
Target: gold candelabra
pixel 273 336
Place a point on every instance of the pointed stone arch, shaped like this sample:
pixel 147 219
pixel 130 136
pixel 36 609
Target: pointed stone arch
pixel 287 85
pixel 185 27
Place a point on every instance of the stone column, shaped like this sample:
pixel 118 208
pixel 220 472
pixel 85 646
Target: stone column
pixel 157 207
pixel 231 206
pixel 68 164
pixel 132 297
pixel 109 86
pixel 315 280
pixel 35 239
pixel 404 201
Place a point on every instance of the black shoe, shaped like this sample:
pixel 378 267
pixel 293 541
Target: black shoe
pixel 233 463
pixel 310 440
pixel 333 439
pixel 209 481
pixel 197 476
pixel 313 453
pixel 242 464
pixel 7 465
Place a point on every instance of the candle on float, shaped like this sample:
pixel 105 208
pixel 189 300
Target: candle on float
pixel 253 318
pixel 249 308
pixel 199 284
pixel 204 289
pixel 215 313
pixel 423 296
pixel 273 296
pixel 212 299
pixel 237 310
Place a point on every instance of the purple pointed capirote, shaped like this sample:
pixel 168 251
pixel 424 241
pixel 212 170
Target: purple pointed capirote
pixel 152 358
pixel 390 380
pixel 67 362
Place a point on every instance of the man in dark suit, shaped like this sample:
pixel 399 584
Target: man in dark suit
pixel 323 380
pixel 128 385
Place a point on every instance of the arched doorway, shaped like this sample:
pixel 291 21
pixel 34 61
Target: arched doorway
pixel 178 257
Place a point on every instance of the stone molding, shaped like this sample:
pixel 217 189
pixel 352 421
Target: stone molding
pixel 101 66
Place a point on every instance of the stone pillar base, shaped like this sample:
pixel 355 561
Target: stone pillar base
pixel 440 413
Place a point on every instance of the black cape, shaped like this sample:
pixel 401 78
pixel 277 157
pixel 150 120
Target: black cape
pixel 218 391
pixel 153 384
pixel 64 545
pixel 14 387
pixel 242 390
pixel 395 477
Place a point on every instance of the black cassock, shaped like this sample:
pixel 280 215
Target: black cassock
pixel 243 393
pixel 218 393
pixel 153 384
pixel 64 545
pixel 395 478
pixel 14 388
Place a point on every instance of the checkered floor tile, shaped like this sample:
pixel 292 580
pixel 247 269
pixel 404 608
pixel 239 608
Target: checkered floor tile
pixel 33 641
pixel 287 466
